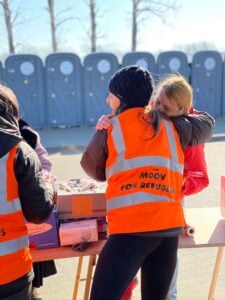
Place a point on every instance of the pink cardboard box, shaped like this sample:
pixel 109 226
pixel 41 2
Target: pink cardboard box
pixel 45 235
pixel 78 231
pixel 81 198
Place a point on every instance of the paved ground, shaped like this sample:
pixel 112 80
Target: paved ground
pixel 195 265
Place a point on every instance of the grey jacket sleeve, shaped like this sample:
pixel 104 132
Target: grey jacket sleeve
pixel 194 129
pixel 35 195
pixel 94 158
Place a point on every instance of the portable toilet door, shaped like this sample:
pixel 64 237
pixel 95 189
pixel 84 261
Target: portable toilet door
pixel 223 90
pixel 98 69
pixel 2 77
pixel 173 62
pixel 63 90
pixel 206 80
pixel 24 75
pixel 143 59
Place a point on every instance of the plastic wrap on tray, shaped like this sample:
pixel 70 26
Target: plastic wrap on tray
pixel 50 179
pixel 81 198
pixel 79 186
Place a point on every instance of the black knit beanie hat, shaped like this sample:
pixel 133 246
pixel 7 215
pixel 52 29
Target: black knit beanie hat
pixel 133 85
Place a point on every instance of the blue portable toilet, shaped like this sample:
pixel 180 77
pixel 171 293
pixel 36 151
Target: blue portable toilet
pixel 223 90
pixel 173 62
pixel 63 89
pixel 2 77
pixel 142 59
pixel 25 76
pixel 206 80
pixel 98 69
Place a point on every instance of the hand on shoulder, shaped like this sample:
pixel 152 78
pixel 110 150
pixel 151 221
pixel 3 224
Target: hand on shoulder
pixel 104 122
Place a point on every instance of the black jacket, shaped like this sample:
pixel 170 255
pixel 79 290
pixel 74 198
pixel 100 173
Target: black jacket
pixel 34 194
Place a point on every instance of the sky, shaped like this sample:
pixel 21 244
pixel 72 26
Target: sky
pixel 196 21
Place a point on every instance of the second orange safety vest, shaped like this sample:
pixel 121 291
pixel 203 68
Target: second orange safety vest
pixel 144 175
pixel 15 258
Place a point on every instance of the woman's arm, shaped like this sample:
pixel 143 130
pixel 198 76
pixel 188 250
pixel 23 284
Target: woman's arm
pixel 194 129
pixel 94 158
pixel 35 194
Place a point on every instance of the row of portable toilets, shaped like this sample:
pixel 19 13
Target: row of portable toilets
pixel 63 91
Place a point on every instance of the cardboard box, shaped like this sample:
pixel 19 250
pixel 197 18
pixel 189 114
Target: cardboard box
pixel 80 198
pixel 77 232
pixel 222 195
pixel 45 235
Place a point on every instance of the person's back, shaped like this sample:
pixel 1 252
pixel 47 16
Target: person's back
pixel 144 168
pixel 192 131
pixel 147 167
pixel 23 194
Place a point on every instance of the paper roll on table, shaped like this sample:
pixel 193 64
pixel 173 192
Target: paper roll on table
pixel 189 230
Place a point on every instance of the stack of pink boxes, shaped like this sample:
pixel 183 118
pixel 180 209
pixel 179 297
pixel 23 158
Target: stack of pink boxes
pixel 82 211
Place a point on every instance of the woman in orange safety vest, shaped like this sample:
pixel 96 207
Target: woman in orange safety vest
pixel 175 100
pixel 23 193
pixel 144 170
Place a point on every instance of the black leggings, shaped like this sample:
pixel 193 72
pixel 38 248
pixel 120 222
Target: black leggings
pixel 120 260
pixel 23 294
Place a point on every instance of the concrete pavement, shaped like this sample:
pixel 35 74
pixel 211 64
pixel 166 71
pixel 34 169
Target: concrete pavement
pixel 195 265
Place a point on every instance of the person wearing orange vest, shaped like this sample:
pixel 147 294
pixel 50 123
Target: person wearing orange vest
pixel 192 129
pixel 177 104
pixel 24 193
pixel 144 170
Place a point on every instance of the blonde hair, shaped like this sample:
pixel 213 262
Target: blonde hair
pixel 178 90
pixel 9 101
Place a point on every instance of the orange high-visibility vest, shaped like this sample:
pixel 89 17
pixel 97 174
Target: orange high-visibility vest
pixel 144 175
pixel 15 258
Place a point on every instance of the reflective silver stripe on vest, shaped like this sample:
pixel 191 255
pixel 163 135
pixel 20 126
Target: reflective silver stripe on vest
pixel 129 164
pixel 6 207
pixel 12 246
pixel 133 199
pixel 171 140
pixel 123 164
pixel 118 136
